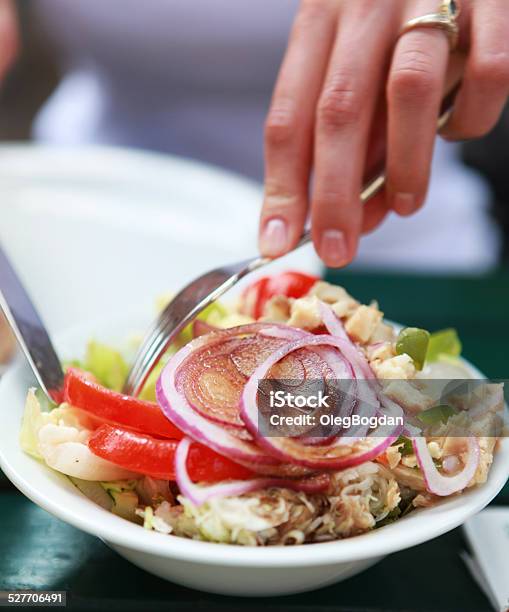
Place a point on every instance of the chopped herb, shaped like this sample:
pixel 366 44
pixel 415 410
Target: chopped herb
pixel 407 448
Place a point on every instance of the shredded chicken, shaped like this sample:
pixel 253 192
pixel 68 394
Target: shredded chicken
pixel 357 499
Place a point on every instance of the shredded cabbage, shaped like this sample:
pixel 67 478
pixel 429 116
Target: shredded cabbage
pixel 148 517
pixel 94 492
pixel 222 519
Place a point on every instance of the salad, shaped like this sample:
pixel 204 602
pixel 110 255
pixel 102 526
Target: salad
pixel 189 457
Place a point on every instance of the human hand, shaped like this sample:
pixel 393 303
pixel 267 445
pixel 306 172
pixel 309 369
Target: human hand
pixel 350 89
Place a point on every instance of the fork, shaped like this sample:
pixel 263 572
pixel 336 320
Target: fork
pixel 204 290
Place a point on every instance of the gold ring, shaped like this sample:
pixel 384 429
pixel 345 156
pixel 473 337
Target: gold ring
pixel 445 19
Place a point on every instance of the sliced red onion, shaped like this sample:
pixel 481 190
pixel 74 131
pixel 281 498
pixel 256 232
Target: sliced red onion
pixel 351 352
pixel 272 330
pixel 178 410
pixel 212 383
pixel 391 409
pixel 363 371
pixel 201 328
pixel 282 332
pixel 437 483
pixel 224 440
pixel 341 369
pixel 316 440
pixel 279 470
pixel 369 402
pixel 213 376
pixel 333 456
pixel 411 430
pixel 198 494
pixel 215 436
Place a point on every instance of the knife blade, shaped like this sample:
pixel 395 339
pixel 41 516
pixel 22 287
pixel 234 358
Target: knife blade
pixel 30 331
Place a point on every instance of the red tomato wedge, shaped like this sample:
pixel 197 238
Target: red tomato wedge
pixel 291 284
pixel 152 457
pixel 81 391
pixel 253 298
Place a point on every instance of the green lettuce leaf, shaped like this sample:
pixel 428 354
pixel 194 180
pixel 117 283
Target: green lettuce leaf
pixel 444 342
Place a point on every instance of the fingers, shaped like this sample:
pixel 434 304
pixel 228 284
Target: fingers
pixel 289 127
pixel 343 120
pixel 414 94
pixel 375 209
pixel 9 40
pixel 485 86
pixel 374 213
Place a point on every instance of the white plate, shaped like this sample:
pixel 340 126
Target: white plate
pixel 215 567
pixel 97 229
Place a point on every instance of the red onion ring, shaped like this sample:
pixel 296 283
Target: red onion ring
pixel 202 328
pixel 334 456
pixel 368 396
pixel 298 455
pixel 177 408
pixel 352 353
pixel 363 369
pixel 228 415
pixel 198 494
pixel 437 483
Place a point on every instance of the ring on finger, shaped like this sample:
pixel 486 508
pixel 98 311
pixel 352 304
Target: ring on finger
pixel 445 19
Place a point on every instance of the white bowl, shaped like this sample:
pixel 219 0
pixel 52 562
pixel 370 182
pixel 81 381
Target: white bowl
pixel 217 568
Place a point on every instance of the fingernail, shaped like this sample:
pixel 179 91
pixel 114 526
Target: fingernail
pixel 333 249
pixel 404 203
pixel 274 238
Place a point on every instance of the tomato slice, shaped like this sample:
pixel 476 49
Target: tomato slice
pixel 81 391
pixel 291 284
pixel 253 297
pixel 152 457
